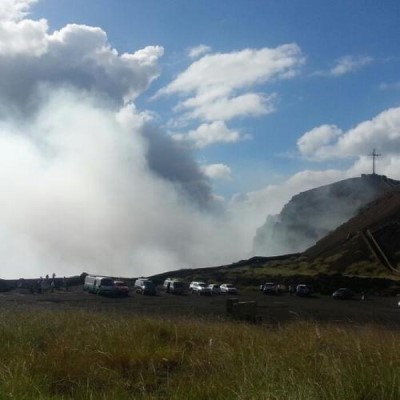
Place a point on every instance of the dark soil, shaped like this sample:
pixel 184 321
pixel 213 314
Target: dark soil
pixel 272 309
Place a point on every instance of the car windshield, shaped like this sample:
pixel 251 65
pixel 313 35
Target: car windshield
pixel 178 284
pixel 148 284
pixel 120 284
pixel 201 284
pixel 229 285
pixel 107 282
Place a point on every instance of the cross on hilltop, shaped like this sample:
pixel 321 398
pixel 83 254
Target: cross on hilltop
pixel 374 154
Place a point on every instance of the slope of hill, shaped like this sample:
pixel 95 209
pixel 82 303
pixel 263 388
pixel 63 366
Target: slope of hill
pixel 372 235
pixel 312 214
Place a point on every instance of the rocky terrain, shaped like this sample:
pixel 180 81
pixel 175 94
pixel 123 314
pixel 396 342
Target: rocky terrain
pixel 372 235
pixel 311 215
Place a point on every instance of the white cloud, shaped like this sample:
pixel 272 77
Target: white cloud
pixel 348 64
pixel 314 143
pixel 23 37
pixel 14 10
pixel 208 134
pixel 329 142
pixel 199 50
pixel 76 55
pixel 238 69
pixel 223 108
pixel 217 171
pixel 217 85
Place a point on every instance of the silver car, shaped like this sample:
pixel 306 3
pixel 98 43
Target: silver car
pixel 228 288
pixel 200 288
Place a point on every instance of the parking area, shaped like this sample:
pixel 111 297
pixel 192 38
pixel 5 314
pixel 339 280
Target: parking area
pixel 273 309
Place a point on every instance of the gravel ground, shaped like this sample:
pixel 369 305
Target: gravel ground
pixel 271 309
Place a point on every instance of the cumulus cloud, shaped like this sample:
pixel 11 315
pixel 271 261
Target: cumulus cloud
pixel 217 85
pixel 314 143
pixel 14 10
pixel 217 171
pixel 208 134
pixel 348 64
pixel 199 50
pixel 79 56
pixel 328 142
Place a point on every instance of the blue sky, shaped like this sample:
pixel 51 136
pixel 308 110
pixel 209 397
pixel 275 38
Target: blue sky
pixel 324 31
pixel 144 136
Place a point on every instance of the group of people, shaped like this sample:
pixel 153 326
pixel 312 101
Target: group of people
pixel 47 283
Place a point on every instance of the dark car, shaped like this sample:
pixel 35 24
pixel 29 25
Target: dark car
pixel 303 290
pixel 270 288
pixel 121 288
pixel 145 286
pixel 343 294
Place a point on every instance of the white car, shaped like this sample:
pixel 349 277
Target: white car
pixel 200 288
pixel 228 288
pixel 215 288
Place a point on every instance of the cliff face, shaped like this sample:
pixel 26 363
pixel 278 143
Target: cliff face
pixel 311 215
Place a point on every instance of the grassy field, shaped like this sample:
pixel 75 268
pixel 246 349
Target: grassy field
pixel 81 355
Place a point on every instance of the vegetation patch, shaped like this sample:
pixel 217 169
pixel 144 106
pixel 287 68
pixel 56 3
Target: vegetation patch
pixel 78 355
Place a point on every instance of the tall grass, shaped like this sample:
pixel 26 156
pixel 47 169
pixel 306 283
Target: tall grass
pixel 79 355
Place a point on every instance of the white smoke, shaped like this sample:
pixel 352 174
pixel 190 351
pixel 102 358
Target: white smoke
pixel 78 194
pixel 89 183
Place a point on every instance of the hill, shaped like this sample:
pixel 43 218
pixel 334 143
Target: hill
pixel 373 235
pixel 363 252
pixel 311 215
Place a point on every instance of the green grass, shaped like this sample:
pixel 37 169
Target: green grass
pixel 79 355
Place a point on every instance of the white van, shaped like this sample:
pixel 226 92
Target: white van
pixel 99 285
pixel 89 283
pixel 174 286
pixel 104 285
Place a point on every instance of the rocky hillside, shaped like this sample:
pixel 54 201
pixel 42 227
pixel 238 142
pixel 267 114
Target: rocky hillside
pixel 372 235
pixel 313 214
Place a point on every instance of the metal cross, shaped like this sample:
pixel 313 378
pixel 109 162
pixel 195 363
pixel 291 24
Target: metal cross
pixel 374 154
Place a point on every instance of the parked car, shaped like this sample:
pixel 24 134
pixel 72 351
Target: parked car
pixel 200 288
pixel 270 288
pixel 343 294
pixel 228 288
pixel 121 288
pixel 174 286
pixel 303 290
pixel 192 284
pixel 145 286
pixel 215 288
pixel 99 285
pixel 89 283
